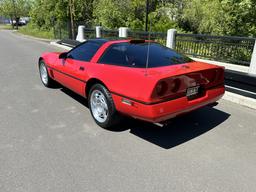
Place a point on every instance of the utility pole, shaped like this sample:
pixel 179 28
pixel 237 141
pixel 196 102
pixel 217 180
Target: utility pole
pixel 72 13
pixel 147 10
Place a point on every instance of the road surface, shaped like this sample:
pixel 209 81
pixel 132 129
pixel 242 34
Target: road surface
pixel 49 142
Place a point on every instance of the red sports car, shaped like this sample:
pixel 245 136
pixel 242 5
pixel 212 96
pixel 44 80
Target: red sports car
pixel 137 78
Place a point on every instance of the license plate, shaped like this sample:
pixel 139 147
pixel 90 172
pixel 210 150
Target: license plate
pixel 191 91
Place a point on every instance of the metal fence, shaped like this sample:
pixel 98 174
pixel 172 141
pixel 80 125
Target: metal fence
pixel 61 31
pixel 89 33
pixel 64 31
pixel 156 36
pixel 111 34
pixel 236 50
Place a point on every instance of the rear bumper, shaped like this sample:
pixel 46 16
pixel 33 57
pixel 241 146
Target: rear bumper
pixel 169 109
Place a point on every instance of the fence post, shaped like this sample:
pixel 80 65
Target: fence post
pixel 252 69
pixel 98 31
pixel 123 32
pixel 80 33
pixel 171 38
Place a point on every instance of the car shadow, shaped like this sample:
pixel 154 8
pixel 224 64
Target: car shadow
pixel 75 96
pixel 178 130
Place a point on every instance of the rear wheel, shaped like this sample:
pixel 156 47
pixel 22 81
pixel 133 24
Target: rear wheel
pixel 102 107
pixel 45 78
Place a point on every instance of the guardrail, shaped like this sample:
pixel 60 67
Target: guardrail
pixel 69 42
pixel 240 83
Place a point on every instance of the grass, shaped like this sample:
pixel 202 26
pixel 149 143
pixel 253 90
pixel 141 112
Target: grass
pixel 36 32
pixel 5 26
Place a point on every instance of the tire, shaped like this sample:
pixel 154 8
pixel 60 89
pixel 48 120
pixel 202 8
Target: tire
pixel 44 75
pixel 102 107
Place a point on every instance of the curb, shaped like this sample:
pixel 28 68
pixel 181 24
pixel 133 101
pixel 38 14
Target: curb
pixel 239 99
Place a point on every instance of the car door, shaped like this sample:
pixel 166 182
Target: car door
pixel 72 70
pixel 72 74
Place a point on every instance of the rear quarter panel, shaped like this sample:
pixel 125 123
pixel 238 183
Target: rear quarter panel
pixel 125 81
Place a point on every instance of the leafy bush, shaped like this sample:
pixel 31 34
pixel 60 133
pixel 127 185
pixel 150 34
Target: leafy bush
pixel 33 30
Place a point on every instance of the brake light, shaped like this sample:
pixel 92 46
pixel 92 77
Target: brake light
pixel 166 88
pixel 161 88
pixel 214 77
pixel 175 85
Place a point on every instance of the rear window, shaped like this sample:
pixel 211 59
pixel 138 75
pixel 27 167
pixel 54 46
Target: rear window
pixel 135 55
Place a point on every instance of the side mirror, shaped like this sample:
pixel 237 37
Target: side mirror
pixel 63 55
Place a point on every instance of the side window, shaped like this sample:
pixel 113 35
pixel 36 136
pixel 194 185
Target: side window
pixel 115 55
pixel 84 52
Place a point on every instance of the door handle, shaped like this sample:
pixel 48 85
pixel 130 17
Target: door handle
pixel 81 68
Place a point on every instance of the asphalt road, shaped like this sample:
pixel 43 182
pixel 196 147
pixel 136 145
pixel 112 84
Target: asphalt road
pixel 49 142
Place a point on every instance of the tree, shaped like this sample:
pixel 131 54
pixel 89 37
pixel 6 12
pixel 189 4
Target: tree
pixel 165 16
pixel 14 9
pixel 64 15
pixel 6 9
pixel 220 17
pixel 112 13
pixel 131 13
pixel 239 17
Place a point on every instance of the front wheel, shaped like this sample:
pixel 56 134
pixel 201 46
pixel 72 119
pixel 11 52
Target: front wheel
pixel 45 78
pixel 102 107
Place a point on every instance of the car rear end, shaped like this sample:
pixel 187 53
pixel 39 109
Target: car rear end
pixel 178 91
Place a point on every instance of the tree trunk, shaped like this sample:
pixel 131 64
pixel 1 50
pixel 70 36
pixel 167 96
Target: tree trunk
pixel 71 10
pixel 17 22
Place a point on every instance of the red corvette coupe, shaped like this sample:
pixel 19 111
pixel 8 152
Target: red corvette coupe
pixel 138 78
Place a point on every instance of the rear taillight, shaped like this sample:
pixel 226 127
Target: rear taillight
pixel 175 85
pixel 167 87
pixel 161 88
pixel 214 77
